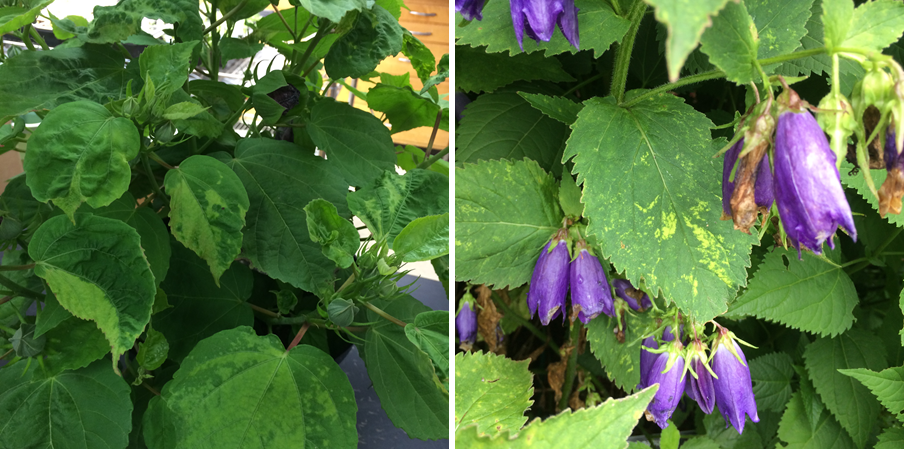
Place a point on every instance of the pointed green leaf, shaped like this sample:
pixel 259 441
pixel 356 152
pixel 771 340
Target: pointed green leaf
pixel 74 344
pixel 196 299
pixel 598 23
pixel 80 153
pixel 497 242
pixel 836 18
pixel 276 238
pixel 333 10
pixel 878 24
pixel 806 424
pixel 570 197
pixel 559 108
pixel 51 315
pixel 492 392
pixel 393 201
pixel 686 23
pixel 505 126
pixel 375 35
pixel 852 404
pixel 654 204
pixel 12 17
pixel 887 385
pixel 337 236
pixel 405 108
pixel 771 375
pixel 208 204
pixel 812 294
pixel 249 9
pixel 731 44
pixel 357 143
pixel 780 25
pixel 83 409
pixel 485 72
pixel 219 389
pixel 118 22
pixel 430 333
pixel 167 66
pixel 232 48
pixel 891 438
pixel 422 59
pixel 98 272
pixel 425 238
pixel 605 426
pixel 183 110
pixel 152 351
pixel 621 360
pixel 403 375
pixel 154 235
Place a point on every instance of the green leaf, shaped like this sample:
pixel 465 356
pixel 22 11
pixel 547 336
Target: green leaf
pixel 730 43
pixel 167 66
pixel 421 57
pixel 232 48
pixel 333 10
pixel 196 299
pixel 670 437
pixel 393 201
pixel 12 18
pixel 654 204
pixel 780 25
pixel 442 72
pixel 405 108
pixel 485 72
pixel 813 294
pixel 357 143
pixel 222 99
pixel 425 238
pixel 208 204
pixel 276 238
pixel 505 126
pixel 375 36
pixel 606 426
pixel 74 344
pixel 160 426
pixel 570 197
pixel 851 403
pixel 51 315
pixel 891 438
pixel 286 301
pixel 441 268
pixel 403 376
pixel 342 311
pixel 878 25
pixel 80 153
pixel 430 333
pixel 82 409
pixel 771 375
pixel 116 23
pixel 183 110
pixel 152 351
pixel 492 392
pixel 335 234
pixel 18 204
pixel 150 227
pixel 700 442
pixel 621 360
pixel 251 8
pixel 806 424
pixel 599 26
pixel 836 18
pixel 98 272
pixel 409 157
pixel 25 343
pixel 218 391
pixel 727 437
pixel 686 23
pixel 559 108
pixel 856 181
pixel 18 305
pixel 497 242
pixel 887 385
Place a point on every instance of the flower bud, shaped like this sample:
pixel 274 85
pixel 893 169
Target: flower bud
pixel 636 299
pixel 838 121
pixel 875 89
pixel 700 383
pixel 470 9
pixel 165 132
pixel 733 388
pixel 590 292
pixel 466 322
pixel 539 17
pixel 549 283
pixel 130 107
pixel 893 188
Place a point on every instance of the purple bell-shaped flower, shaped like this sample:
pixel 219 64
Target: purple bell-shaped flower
pixel 667 369
pixel 470 9
pixel 808 190
pixel 466 322
pixel 700 388
pixel 539 18
pixel 549 283
pixel 637 299
pixel 744 212
pixel 590 292
pixel 734 390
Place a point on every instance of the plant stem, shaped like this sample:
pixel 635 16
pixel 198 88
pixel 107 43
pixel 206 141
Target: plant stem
pixel 346 283
pixel 527 324
pixel 439 118
pixel 289 320
pixel 426 164
pixel 298 336
pixel 5 299
pixel 584 83
pixel 384 314
pixel 263 310
pixel 283 19
pixel 146 163
pixel 792 56
pixel 623 53
pixel 225 17
pixel 20 290
pixel 27 40
pixel 6 354
pixel 160 161
pixel 312 44
pixel 17 267
pixel 34 33
pixel 572 361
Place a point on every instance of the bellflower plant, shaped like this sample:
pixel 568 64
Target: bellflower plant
pixel 590 290
pixel 539 18
pixel 746 181
pixel 549 283
pixel 470 9
pixel 808 189
pixel 700 383
pixel 667 369
pixel 637 299
pixel 466 322
pixel 733 388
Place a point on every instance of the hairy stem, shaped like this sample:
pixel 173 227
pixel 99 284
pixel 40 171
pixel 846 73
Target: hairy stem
pixel 298 336
pixel 384 314
pixel 623 54
pixel 146 163
pixel 576 328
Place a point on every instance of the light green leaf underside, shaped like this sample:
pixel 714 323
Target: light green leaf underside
pixel 887 385
pixel 597 22
pixel 208 203
pixel 505 212
pixel 276 237
pixel 810 294
pixel 167 66
pixel 237 389
pixel 686 22
pixel 849 401
pixel 425 238
pixel 80 153
pixel 606 426
pixel 98 272
pixel 655 202
pixel 430 333
pixel 492 392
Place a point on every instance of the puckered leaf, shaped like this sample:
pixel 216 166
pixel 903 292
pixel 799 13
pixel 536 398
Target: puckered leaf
pixel 81 153
pixel 492 392
pixel 686 23
pixel 425 238
pixel 98 272
pixel 653 197
pixel 208 204
pixel 166 66
pixel 485 72
pixel 336 235
pixel 887 385
pixel 605 426
pixel 852 404
pixel 430 333
pixel 806 424
pixel 771 375
pixel 621 360
pixel 116 23
pixel 731 44
pixel 375 35
pixel 219 391
pixel 597 22
pixel 13 17
pixel 405 108
pixel 812 294
pixel 82 409
pixel 154 236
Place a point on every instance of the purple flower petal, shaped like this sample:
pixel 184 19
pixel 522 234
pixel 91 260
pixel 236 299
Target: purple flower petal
pixel 701 388
pixel 626 291
pixel 671 386
pixel 549 283
pixel 539 18
pixel 466 324
pixel 589 287
pixel 733 388
pixel 470 9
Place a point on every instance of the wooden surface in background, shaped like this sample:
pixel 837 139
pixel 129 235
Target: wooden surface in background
pixel 10 165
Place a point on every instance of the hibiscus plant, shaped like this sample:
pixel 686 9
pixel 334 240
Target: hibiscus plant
pixel 180 267
pixel 615 290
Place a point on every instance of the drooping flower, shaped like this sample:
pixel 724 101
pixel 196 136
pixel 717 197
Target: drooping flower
pixel 751 190
pixel 700 388
pixel 470 9
pixel 666 369
pixel 893 188
pixel 539 18
pixel 589 288
pixel 808 189
pixel 466 322
pixel 733 388
pixel 549 283
pixel 637 299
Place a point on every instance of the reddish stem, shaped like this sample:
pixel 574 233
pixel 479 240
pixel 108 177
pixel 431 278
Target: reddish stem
pixel 297 339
